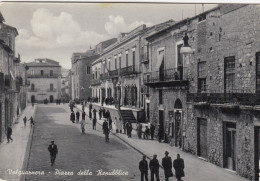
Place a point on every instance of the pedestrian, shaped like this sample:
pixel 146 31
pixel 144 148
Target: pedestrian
pixel 152 128
pixel 83 115
pixel 106 130
pixel 139 130
pixel 72 117
pixel 154 167
pixel 31 121
pixel 160 133
pixel 53 152
pixel 77 116
pixel 90 114
pixel 100 113
pixel 124 127
pixel 143 167
pixel 24 121
pixel 82 124
pixel 107 114
pixel 104 112
pixel 9 133
pixel 110 123
pixel 117 125
pixel 129 129
pixel 94 113
pixel 90 107
pixel 167 166
pixel 94 123
pixel 120 125
pixel 178 165
pixel 147 132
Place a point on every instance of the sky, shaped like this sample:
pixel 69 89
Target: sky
pixel 56 30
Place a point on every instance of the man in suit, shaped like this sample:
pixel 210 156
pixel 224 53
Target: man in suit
pixel 178 165
pixel 143 167
pixel 53 152
pixel 167 165
pixel 9 133
pixel 154 167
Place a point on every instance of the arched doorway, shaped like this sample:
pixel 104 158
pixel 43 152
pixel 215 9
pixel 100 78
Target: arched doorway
pixel 178 123
pixel 32 99
pixel 51 98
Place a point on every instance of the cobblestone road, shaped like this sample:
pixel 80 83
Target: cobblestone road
pixel 77 151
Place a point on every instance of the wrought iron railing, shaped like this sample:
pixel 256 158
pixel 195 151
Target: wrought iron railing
pixel 166 75
pixel 43 76
pixel 129 70
pixel 238 97
pixel 95 81
pixel 113 72
pixel 104 76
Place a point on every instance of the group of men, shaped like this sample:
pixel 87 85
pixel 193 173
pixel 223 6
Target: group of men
pixel 167 164
pixel 149 132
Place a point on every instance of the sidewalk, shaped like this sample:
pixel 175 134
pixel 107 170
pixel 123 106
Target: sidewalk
pixel 13 155
pixel 196 169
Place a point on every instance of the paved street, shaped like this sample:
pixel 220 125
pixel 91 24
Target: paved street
pixel 77 151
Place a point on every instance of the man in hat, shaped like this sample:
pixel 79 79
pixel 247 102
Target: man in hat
pixel 167 165
pixel 154 167
pixel 178 165
pixel 53 152
pixel 143 167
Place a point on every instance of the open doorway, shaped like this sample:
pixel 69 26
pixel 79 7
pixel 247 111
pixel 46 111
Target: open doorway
pixel 257 152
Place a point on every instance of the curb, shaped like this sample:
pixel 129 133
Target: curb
pixel 28 148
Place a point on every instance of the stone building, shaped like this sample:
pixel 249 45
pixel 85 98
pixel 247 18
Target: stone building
pixel 44 76
pixel 9 84
pixel 207 101
pixel 81 73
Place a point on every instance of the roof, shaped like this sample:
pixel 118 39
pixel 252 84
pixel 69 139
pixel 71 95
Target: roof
pixel 1 18
pixel 43 63
pixel 107 43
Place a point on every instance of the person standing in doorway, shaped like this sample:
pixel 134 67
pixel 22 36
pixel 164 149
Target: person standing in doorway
pixel 77 116
pixel 53 152
pixel 143 167
pixel 24 121
pixel 167 166
pixel 178 165
pixel 9 133
pixel 154 167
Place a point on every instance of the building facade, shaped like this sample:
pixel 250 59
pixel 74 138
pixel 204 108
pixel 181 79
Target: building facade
pixel 207 101
pixel 44 76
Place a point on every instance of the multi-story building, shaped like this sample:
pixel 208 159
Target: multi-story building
pixel 65 94
pixel 9 84
pixel 81 73
pixel 44 76
pixel 206 100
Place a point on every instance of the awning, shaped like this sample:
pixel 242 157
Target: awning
pixel 159 61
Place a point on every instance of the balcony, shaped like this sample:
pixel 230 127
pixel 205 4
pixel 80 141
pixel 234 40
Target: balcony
pixel 51 90
pixel 104 76
pixel 130 70
pixel 168 77
pixel 95 81
pixel 144 58
pixel 237 97
pixel 113 73
pixel 43 76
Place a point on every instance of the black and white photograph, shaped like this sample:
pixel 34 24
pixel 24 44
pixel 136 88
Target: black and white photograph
pixel 129 91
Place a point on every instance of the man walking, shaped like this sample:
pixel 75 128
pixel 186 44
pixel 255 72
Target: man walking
pixel 143 167
pixel 94 123
pixel 53 152
pixel 24 121
pixel 77 116
pixel 154 167
pixel 167 165
pixel 32 122
pixel 106 130
pixel 100 113
pixel 72 117
pixel 83 115
pixel 9 133
pixel 94 113
pixel 178 165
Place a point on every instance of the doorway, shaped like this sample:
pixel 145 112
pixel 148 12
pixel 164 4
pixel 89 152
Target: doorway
pixel 178 138
pixel 32 99
pixel 230 146
pixel 257 152
pixel 161 124
pixel 202 138
pixel 51 98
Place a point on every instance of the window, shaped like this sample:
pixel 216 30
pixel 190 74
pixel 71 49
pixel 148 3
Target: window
pixel 51 87
pixel 126 59
pixel 115 63
pixel 51 72
pixel 229 74
pixel 119 62
pixel 42 72
pixel 202 72
pixel 32 87
pixel 160 97
pixel 108 65
pixel 88 70
pixel 133 58
pixel 202 84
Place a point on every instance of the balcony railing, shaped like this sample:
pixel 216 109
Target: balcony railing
pixel 236 97
pixel 113 73
pixel 104 76
pixel 167 75
pixel 95 81
pixel 130 70
pixel 43 76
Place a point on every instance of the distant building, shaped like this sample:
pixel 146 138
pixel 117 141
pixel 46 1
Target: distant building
pixel 44 76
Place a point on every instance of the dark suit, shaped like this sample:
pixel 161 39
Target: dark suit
pixel 178 165
pixel 53 152
pixel 143 167
pixel 167 165
pixel 154 167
